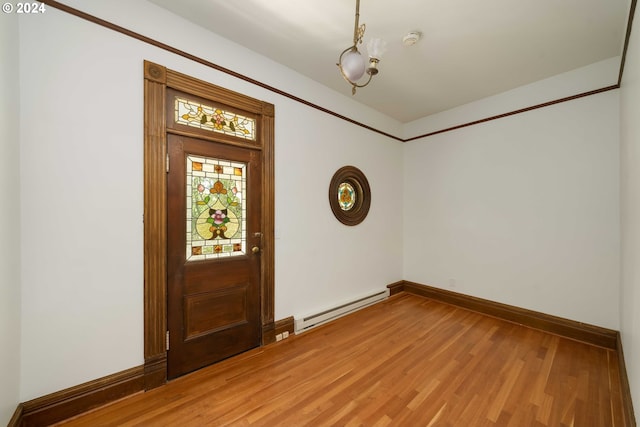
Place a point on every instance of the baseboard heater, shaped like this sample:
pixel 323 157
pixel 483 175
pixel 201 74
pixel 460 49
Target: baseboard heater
pixel 311 321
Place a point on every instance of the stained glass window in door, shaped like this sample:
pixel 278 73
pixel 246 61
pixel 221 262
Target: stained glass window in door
pixel 216 208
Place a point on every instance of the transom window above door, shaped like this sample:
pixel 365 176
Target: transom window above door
pixel 207 117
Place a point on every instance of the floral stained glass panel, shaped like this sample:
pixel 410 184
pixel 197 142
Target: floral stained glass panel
pixel 346 196
pixel 214 119
pixel 216 208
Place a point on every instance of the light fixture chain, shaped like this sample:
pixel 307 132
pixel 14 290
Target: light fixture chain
pixel 360 34
pixel 358 31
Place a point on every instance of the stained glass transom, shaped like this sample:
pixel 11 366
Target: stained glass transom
pixel 346 196
pixel 216 208
pixel 206 117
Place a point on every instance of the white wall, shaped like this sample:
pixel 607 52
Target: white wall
pixel 9 219
pixel 630 195
pixel 320 261
pixel 81 171
pixel 523 210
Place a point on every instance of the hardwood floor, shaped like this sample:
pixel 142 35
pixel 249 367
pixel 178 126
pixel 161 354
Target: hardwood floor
pixel 408 361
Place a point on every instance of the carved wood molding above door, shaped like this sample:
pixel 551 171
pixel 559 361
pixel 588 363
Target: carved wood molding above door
pixel 157 79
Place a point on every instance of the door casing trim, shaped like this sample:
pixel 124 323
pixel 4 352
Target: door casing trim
pixel 157 79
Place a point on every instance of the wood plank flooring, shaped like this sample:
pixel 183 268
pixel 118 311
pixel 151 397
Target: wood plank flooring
pixel 408 361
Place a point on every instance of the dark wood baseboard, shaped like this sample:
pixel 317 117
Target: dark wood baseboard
pixel 396 288
pixel 627 403
pixel 285 325
pixel 64 404
pixel 556 325
pixel 73 401
pixel 16 420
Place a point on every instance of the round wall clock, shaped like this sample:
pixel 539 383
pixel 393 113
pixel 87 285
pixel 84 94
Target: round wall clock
pixel 349 195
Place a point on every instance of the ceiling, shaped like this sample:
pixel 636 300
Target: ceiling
pixel 470 49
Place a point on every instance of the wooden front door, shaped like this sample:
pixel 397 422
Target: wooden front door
pixel 203 284
pixel 214 241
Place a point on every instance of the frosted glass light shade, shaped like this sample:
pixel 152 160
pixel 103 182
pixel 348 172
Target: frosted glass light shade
pixel 353 65
pixel 376 48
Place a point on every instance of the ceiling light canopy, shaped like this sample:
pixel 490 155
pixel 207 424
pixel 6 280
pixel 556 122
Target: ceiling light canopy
pixel 352 64
pixel 411 38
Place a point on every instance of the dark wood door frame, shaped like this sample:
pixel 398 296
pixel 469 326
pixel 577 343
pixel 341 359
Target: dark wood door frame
pixel 156 81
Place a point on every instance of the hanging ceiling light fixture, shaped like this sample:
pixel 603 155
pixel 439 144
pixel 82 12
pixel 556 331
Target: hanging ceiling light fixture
pixel 351 63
